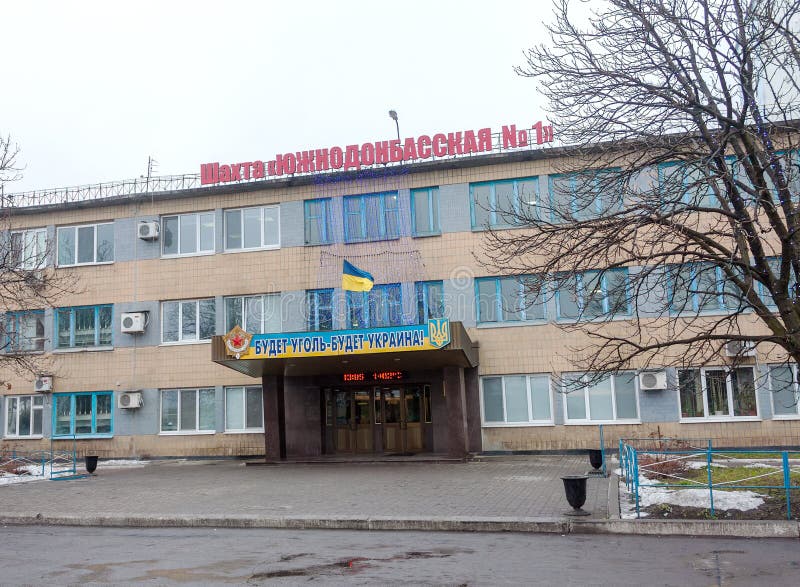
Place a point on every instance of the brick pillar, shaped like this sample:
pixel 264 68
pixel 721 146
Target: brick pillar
pixel 455 398
pixel 274 417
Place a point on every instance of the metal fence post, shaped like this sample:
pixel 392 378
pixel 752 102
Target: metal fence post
pixel 787 482
pixel 710 483
pixel 635 456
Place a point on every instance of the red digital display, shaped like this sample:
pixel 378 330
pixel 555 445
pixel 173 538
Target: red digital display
pixel 374 376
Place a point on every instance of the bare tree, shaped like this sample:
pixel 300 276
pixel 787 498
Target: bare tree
pixel 676 203
pixel 27 285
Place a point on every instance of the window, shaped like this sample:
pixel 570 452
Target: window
pixel 188 410
pixel 691 184
pixel 24 415
pixel 83 414
pixel 425 211
pixel 717 393
pixel 317 221
pixel 244 409
pixel 785 393
pixel 84 326
pixel 252 228
pixel 381 306
pixel 187 321
pixel 592 294
pixel 504 203
pixel 256 314
pixel 701 287
pixel 516 399
pixel 764 292
pixel 582 196
pixel 430 300
pixel 609 399
pixel 508 299
pixel 371 217
pixel 319 303
pixel 187 234
pixel 28 248
pixel 85 245
pixel 24 331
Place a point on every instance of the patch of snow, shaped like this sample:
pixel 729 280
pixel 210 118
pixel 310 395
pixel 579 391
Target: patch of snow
pixel 118 463
pixel 691 497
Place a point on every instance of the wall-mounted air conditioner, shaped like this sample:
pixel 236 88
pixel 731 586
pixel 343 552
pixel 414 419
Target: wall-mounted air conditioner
pixel 130 399
pixel 148 231
pixel 740 348
pixel 43 384
pixel 652 380
pixel 133 322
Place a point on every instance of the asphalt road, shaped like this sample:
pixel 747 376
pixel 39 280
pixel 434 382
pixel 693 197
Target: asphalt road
pixel 64 555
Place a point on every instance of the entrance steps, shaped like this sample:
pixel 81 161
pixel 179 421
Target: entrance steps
pixel 359 459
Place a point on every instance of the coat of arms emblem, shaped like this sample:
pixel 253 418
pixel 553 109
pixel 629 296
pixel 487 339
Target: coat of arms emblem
pixel 439 332
pixel 237 341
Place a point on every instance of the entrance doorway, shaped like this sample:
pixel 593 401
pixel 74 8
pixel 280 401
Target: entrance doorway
pixel 389 419
pixel 403 418
pixel 352 420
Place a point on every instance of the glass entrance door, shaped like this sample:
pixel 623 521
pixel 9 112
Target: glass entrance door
pixel 402 419
pixel 352 420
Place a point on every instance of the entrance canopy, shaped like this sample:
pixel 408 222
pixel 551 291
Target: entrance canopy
pixel 438 343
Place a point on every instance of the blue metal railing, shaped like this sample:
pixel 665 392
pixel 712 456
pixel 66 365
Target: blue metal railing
pixel 634 472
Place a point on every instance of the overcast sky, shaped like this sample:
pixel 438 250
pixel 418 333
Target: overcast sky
pixel 90 89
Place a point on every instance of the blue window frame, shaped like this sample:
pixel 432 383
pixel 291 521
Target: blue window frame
pixel 83 414
pixel 317 221
pixel 24 332
pixel 508 299
pixel 430 300
pixel 381 306
pixel 699 287
pixel 592 294
pixel 371 217
pixel 425 211
pixel 83 326
pixel 764 293
pixel 582 196
pixel 319 305
pixel 504 203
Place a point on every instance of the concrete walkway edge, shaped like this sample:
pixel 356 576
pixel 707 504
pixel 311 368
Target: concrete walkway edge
pixel 727 528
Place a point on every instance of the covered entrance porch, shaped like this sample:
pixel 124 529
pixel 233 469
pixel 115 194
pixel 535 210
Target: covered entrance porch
pixel 369 404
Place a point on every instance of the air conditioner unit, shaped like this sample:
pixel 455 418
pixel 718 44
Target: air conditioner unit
pixel 149 231
pixel 652 380
pixel 740 348
pixel 133 322
pixel 43 384
pixel 130 399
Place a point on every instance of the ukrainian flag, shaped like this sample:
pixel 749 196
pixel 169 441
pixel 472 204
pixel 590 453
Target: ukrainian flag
pixel 354 279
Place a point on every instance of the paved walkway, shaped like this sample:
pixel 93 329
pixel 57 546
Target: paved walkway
pixel 515 488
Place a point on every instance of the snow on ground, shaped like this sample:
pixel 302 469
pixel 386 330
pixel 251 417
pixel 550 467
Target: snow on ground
pixel 35 471
pixel 695 497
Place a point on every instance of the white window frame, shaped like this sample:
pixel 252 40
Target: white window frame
pixel 244 389
pixel 181 340
pixel 262 246
pixel 16 399
pixel 76 228
pixel 588 420
pixel 531 422
pixel 199 251
pixel 31 261
pixel 246 326
pixel 796 414
pixel 729 417
pixel 191 432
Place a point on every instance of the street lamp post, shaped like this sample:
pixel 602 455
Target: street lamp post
pixel 393 116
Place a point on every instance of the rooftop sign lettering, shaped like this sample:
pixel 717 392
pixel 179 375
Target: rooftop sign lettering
pixel 440 145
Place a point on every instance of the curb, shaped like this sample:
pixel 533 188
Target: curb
pixel 714 528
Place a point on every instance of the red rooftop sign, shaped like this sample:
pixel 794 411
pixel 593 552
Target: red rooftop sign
pixel 378 153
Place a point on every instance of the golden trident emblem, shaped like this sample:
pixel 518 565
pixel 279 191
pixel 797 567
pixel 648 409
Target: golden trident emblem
pixel 439 332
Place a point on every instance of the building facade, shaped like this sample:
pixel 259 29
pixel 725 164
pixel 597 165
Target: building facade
pixel 139 366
